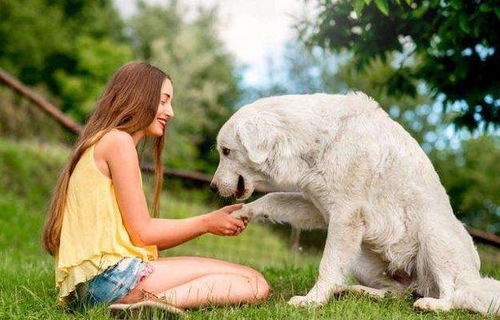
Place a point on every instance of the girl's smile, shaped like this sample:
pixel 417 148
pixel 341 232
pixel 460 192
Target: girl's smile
pixel 163 122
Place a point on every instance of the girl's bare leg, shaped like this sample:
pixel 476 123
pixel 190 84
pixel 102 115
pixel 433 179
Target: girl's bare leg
pixel 188 282
pixel 215 289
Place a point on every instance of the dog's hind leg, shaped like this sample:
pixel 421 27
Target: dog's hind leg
pixel 284 207
pixel 371 272
pixel 443 262
pixel 447 265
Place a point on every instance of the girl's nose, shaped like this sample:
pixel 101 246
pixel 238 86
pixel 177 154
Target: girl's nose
pixel 169 111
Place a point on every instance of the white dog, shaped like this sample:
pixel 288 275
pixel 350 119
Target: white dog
pixel 362 177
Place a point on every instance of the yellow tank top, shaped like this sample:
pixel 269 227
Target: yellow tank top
pixel 93 236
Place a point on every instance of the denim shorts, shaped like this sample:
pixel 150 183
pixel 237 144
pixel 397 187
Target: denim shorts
pixel 114 283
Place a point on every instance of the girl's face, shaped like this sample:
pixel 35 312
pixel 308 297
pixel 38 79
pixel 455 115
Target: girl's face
pixel 165 111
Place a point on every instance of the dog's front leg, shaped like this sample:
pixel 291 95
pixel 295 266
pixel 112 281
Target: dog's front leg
pixel 284 207
pixel 342 246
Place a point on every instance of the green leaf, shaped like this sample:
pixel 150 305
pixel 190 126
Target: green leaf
pixel 497 11
pixel 463 21
pixel 382 6
pixel 456 4
pixel 358 6
pixel 409 2
pixel 485 7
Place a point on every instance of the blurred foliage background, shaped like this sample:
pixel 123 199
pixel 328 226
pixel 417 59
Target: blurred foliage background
pixel 432 65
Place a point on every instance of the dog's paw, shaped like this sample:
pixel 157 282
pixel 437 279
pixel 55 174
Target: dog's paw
pixel 244 214
pixel 432 304
pixel 303 301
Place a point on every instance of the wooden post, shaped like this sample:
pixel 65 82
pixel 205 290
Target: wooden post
pixel 295 239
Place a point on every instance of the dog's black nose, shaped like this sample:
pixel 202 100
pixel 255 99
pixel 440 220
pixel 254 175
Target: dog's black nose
pixel 213 188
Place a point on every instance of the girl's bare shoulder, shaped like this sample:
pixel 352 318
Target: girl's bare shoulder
pixel 117 137
pixel 114 143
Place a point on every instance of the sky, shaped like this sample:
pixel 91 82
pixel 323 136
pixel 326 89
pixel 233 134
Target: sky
pixel 254 31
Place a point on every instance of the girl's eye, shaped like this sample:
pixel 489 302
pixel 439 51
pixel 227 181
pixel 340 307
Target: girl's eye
pixel 225 151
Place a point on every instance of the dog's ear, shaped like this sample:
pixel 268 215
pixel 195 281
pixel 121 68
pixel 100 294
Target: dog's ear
pixel 258 134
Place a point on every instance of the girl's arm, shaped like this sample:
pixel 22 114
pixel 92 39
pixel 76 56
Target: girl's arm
pixel 121 156
pixel 167 233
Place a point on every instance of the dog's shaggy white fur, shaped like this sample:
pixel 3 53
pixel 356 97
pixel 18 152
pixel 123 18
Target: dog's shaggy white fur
pixel 361 176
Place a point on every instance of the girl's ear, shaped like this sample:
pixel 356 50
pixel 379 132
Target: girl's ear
pixel 259 134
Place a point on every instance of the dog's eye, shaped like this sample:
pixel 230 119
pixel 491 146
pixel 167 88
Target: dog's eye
pixel 225 151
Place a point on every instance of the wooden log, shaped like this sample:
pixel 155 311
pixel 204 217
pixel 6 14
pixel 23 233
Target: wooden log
pixel 484 237
pixel 46 106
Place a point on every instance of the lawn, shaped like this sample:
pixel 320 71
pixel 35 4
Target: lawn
pixel 27 174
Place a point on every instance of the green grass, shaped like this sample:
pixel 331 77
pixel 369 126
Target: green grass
pixel 27 174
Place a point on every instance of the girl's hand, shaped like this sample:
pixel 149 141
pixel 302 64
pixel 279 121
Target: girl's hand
pixel 221 223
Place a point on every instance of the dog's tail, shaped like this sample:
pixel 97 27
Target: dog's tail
pixel 481 295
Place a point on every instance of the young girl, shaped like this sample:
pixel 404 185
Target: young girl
pixel 99 230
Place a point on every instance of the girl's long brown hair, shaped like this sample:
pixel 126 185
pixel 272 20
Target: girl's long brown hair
pixel 129 103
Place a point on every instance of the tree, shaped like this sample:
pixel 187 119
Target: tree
pixel 468 174
pixel 70 48
pixel 95 62
pixel 448 44
pixel 206 84
pixel 310 70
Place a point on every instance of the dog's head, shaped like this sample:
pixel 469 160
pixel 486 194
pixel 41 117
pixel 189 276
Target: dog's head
pixel 247 143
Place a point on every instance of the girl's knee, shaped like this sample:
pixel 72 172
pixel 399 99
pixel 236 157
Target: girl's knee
pixel 261 287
